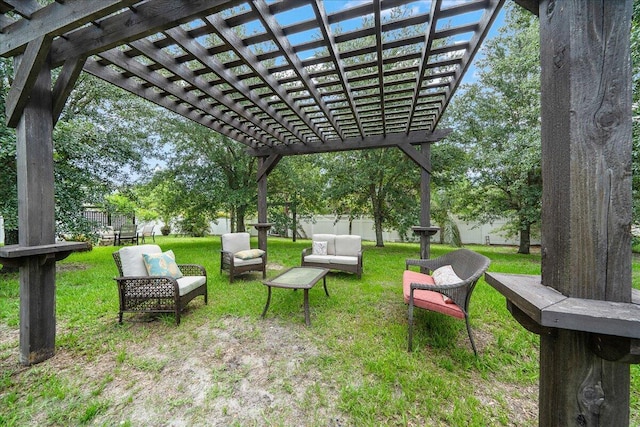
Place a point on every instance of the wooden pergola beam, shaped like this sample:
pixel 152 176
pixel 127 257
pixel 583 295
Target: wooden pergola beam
pixel 418 157
pixel 236 43
pixel 118 58
pixel 274 28
pixel 424 60
pixel 103 72
pixel 54 20
pixel 182 71
pixel 474 45
pixel 146 19
pixel 375 141
pixel 197 50
pixel 24 8
pixel 377 8
pixel 334 53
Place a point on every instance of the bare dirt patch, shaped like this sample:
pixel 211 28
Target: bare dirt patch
pixel 235 372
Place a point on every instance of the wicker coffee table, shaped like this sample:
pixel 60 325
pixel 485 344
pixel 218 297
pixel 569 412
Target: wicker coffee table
pixel 297 278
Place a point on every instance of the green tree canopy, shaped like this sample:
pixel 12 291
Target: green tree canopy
pixel 496 120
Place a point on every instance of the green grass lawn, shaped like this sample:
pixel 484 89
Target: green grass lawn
pixel 359 372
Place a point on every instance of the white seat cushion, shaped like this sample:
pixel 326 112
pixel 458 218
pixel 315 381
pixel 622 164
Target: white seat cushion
pixel 188 283
pixel 348 245
pixel 344 260
pixel 240 262
pixel 131 259
pixel 330 239
pixel 321 259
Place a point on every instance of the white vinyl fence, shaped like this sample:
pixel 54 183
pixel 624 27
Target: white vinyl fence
pixel 471 233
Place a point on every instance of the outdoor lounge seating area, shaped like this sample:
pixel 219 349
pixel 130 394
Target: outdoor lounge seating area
pixel 292 78
pixel 334 252
pixel 367 313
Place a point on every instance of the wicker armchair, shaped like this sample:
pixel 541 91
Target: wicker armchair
pixel 233 244
pixel 452 299
pixel 139 292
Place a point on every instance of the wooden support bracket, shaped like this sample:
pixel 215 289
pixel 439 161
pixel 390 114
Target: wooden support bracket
pixel 613 327
pixel 26 75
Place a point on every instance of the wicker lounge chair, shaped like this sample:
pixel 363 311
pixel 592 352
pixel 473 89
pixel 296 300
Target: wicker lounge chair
pixel 236 256
pixel 421 290
pixel 139 292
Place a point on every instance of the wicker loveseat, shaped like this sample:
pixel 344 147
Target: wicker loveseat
pixel 448 289
pixel 334 252
pixel 140 292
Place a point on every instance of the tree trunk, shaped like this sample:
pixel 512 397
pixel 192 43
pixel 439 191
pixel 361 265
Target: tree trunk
pixel 525 240
pixel 240 213
pixel 377 216
pixel 232 219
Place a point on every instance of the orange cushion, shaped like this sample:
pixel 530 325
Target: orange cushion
pixel 429 300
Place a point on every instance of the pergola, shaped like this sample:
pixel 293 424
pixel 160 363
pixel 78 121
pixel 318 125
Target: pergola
pixel 291 77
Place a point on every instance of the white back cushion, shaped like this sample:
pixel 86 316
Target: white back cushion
pixel 330 239
pixel 131 259
pixel 348 245
pixel 235 242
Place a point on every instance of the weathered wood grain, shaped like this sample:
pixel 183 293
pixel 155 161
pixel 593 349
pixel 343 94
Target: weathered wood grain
pixel 27 73
pixel 586 200
pixel 36 221
pixel 55 19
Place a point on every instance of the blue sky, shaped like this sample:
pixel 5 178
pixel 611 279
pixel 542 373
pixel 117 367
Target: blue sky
pixel 419 6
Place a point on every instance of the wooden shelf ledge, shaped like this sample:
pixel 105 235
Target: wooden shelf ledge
pixel 427 231
pixel 548 308
pixel 266 225
pixel 15 254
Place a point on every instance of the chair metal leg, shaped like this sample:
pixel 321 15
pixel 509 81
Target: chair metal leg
pixel 410 319
pixel 264 312
pixel 473 344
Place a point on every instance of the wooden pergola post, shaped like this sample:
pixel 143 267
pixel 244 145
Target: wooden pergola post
pixel 265 166
pixel 36 219
pixel 425 204
pixel 586 211
pixel 422 158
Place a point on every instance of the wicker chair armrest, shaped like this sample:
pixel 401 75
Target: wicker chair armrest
pixel 457 291
pixel 307 251
pixel 226 257
pixel 158 282
pixel 438 288
pixel 430 264
pixel 192 269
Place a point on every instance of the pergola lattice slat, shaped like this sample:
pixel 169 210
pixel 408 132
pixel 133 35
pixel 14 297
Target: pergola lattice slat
pixel 266 88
